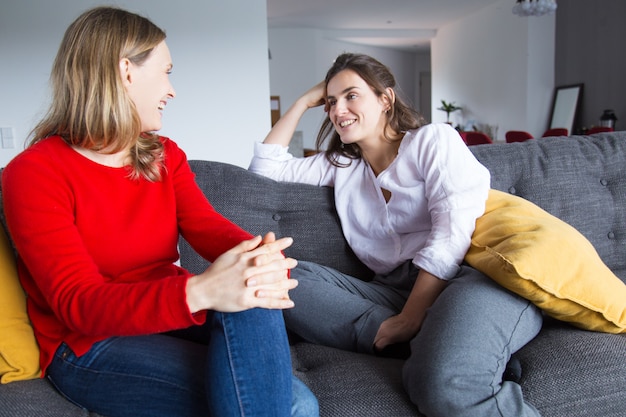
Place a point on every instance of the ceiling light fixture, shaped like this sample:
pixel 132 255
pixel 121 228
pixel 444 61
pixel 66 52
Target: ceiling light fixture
pixel 534 7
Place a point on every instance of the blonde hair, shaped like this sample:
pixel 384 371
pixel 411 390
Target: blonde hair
pixel 90 107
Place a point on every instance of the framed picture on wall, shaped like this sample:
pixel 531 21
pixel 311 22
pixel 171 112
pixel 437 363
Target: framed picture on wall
pixel 565 106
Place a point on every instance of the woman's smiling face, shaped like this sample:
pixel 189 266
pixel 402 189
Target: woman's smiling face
pixel 355 110
pixel 149 86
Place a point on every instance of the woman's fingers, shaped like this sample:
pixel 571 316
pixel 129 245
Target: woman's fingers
pixel 270 250
pixel 276 297
pixel 275 246
pixel 275 303
pixel 247 245
pixel 268 238
pixel 268 246
pixel 252 274
pixel 269 273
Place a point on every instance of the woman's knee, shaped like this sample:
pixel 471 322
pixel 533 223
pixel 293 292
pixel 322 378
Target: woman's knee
pixel 304 401
pixel 461 352
pixel 310 271
pixel 441 385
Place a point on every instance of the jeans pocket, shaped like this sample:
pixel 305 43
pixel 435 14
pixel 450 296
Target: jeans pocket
pixel 64 353
pixel 62 359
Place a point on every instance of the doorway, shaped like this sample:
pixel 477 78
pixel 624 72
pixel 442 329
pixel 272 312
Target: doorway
pixel 425 96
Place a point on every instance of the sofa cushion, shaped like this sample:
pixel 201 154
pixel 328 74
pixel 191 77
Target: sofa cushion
pixel 19 352
pixel 572 372
pixel 545 260
pixel 352 384
pixel 37 398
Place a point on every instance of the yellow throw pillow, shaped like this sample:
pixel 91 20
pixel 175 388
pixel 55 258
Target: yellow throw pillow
pixel 545 260
pixel 19 352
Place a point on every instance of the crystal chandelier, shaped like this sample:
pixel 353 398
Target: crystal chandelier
pixel 534 7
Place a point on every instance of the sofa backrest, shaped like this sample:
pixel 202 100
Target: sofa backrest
pixel 580 179
pixel 260 205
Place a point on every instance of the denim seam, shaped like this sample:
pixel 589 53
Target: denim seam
pixel 506 346
pixel 230 361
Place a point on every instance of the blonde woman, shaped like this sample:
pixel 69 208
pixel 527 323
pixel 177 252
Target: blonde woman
pixel 95 205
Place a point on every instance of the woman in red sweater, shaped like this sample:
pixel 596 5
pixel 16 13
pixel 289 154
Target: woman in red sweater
pixel 95 206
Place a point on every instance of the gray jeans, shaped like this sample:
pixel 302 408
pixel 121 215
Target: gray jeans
pixel 458 357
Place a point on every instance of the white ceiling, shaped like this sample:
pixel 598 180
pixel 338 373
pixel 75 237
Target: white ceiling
pixel 402 24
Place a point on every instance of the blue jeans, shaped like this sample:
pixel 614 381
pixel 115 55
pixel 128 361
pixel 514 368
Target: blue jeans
pixel 460 354
pixel 244 370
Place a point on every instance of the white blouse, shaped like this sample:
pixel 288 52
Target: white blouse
pixel 438 190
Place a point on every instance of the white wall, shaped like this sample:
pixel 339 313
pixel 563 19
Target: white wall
pixel 221 73
pixel 499 67
pixel 301 58
pixel 496 65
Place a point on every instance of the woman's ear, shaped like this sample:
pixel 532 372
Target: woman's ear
pixel 125 71
pixel 389 98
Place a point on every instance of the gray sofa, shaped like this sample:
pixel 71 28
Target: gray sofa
pixel 566 372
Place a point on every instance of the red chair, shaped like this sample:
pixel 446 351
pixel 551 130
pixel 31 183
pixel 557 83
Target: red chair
pixel 555 131
pixel 517 136
pixel 476 138
pixel 599 129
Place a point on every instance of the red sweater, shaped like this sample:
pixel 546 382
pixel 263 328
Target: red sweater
pixel 97 249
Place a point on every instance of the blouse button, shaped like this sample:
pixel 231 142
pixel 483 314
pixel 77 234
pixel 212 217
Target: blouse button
pixel 604 182
pixel 512 190
pixel 611 235
pixel 276 217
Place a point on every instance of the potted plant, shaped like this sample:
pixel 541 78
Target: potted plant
pixel 448 108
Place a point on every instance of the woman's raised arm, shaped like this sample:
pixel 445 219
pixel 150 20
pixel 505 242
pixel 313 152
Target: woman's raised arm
pixel 283 130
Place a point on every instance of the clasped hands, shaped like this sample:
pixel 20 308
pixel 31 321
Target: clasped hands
pixel 252 274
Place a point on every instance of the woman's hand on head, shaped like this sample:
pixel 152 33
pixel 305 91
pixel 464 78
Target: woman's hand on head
pixel 283 130
pixel 315 96
pixel 252 274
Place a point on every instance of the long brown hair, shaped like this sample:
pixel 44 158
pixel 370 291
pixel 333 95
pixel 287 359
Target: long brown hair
pixel 90 107
pixel 400 118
